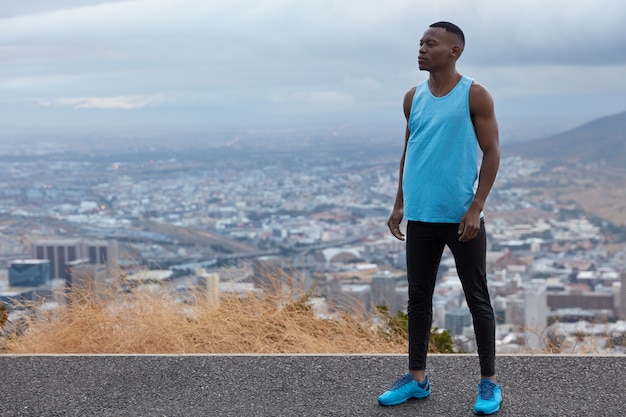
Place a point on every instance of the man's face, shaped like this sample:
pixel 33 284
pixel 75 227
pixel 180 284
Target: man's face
pixel 436 49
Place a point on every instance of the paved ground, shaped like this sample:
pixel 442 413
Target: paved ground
pixel 345 386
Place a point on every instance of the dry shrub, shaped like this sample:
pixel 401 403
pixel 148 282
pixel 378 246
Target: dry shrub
pixel 121 319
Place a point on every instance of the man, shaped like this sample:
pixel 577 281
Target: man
pixel 441 193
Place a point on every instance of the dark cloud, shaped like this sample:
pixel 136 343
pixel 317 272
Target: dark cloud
pixel 295 60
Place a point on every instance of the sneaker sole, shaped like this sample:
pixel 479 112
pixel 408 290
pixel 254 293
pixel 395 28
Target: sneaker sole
pixel 486 413
pixel 417 397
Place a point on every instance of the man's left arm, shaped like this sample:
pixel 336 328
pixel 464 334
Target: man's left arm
pixel 486 127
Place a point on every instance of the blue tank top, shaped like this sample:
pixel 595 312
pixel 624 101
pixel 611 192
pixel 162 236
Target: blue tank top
pixel 441 162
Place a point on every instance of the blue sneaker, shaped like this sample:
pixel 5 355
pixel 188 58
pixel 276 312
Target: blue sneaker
pixel 489 397
pixel 403 389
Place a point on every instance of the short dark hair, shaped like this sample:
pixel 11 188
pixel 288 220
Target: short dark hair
pixel 452 28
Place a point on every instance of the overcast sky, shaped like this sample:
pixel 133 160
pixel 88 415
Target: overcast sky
pixel 200 65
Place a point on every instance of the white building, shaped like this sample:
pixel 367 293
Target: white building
pixel 535 315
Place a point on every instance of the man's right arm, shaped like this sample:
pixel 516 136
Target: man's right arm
pixel 398 207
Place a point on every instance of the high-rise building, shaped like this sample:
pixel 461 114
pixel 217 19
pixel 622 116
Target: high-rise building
pixel 61 251
pixel 458 319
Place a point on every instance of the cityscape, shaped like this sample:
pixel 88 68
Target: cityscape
pixel 314 204
pixel 195 203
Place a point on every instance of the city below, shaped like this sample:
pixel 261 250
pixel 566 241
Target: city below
pixel 314 206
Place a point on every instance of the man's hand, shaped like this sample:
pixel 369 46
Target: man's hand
pixel 470 225
pixel 394 223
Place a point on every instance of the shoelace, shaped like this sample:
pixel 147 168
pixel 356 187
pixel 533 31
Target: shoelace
pixel 485 388
pixel 405 379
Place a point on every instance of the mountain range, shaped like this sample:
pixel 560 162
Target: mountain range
pixel 601 141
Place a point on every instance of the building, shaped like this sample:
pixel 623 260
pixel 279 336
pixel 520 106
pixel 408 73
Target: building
pixel 8 296
pixel 29 280
pixel 499 309
pixel 514 312
pixel 535 315
pixel 586 300
pixel 622 298
pixel 209 282
pixel 457 319
pixel 83 274
pixel 29 273
pixel 384 291
pixel 61 251
pixel 150 276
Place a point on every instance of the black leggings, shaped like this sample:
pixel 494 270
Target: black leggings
pixel 424 246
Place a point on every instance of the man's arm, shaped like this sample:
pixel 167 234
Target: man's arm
pixel 486 127
pixel 398 207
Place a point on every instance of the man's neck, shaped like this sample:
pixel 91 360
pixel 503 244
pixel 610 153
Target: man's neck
pixel 441 83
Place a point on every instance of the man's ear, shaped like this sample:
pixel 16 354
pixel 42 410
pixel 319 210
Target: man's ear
pixel 455 52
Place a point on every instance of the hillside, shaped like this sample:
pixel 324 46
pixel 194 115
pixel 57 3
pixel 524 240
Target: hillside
pixel 602 141
pixel 598 186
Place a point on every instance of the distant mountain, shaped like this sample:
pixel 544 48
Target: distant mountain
pixel 601 140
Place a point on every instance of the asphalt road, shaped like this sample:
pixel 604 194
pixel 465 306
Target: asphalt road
pixel 345 386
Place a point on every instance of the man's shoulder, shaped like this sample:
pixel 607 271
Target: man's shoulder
pixel 407 103
pixel 477 87
pixel 419 87
pixel 408 96
pixel 479 93
pixel 411 92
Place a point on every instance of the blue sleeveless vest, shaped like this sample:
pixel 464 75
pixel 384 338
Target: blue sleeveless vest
pixel 441 164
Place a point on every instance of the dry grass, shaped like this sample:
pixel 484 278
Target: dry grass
pixel 117 320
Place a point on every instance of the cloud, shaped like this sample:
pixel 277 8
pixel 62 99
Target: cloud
pixel 234 31
pixel 286 56
pixel 509 81
pixel 116 102
pixel 26 7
